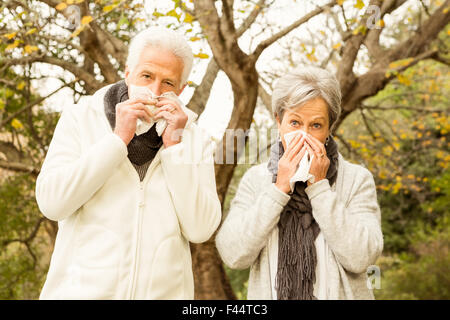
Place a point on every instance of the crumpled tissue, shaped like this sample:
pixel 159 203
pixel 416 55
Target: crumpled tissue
pixel 138 92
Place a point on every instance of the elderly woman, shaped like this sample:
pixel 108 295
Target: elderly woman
pixel 317 240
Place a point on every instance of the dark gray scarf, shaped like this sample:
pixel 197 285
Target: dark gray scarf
pixel 298 230
pixel 142 148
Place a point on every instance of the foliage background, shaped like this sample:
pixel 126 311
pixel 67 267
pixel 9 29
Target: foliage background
pixel 401 135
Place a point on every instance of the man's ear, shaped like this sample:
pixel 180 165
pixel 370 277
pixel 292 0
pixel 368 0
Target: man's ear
pixel 127 74
pixel 182 88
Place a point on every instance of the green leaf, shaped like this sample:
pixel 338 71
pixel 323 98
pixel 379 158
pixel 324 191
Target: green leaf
pixel 123 21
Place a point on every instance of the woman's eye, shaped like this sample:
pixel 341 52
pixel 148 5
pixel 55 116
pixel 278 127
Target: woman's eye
pixel 294 122
pixel 317 125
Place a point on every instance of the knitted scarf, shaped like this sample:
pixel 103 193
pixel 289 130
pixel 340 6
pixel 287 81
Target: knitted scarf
pixel 142 148
pixel 297 260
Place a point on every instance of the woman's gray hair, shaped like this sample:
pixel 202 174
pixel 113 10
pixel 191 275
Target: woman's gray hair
pixel 303 84
pixel 165 38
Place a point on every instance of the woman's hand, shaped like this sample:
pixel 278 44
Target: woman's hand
pixel 287 166
pixel 320 163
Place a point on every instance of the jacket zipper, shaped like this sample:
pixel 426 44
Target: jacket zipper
pixel 131 293
pixel 138 236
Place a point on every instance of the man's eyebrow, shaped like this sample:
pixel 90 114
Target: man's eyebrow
pixel 144 70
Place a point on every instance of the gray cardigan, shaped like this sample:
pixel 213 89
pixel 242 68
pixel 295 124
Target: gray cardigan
pixel 348 215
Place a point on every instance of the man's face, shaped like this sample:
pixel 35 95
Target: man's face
pixel 157 69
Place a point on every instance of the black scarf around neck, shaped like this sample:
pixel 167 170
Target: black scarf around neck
pixel 142 148
pixel 297 260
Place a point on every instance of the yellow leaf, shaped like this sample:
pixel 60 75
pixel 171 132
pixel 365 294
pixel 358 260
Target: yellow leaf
pixel 400 63
pixel 31 31
pixel 158 14
pixel 173 13
pixel 380 23
pixel 70 1
pixel 337 45
pixel 340 2
pixel 86 19
pixel 359 4
pixel 188 18
pixel 61 6
pixel 10 35
pixel 77 32
pixel 29 49
pixel 360 29
pixel 108 8
pixel 16 124
pixel 21 85
pixel 404 80
pixel 201 55
pixel 12 45
pixel 194 39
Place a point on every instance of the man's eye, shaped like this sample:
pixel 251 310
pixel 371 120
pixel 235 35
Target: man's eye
pixel 294 122
pixel 169 83
pixel 146 76
pixel 317 125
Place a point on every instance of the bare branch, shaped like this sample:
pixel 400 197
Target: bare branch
pixel 91 83
pixel 265 98
pixel 202 92
pixel 19 167
pixel 32 104
pixel 373 36
pixel 264 44
pixel 251 18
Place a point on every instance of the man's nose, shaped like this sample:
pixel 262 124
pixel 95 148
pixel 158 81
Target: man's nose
pixel 156 88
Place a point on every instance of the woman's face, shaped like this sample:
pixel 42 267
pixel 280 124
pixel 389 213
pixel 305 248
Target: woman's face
pixel 312 117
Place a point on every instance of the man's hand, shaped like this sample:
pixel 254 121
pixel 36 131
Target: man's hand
pixel 127 113
pixel 176 121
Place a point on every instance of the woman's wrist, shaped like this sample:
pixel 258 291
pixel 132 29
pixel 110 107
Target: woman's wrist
pixel 282 187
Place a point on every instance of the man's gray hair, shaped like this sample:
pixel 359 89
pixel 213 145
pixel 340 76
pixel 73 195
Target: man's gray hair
pixel 303 84
pixel 165 38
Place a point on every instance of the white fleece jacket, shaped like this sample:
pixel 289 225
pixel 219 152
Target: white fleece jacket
pixel 348 215
pixel 120 238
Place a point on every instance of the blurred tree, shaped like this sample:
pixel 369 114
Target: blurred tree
pixel 88 41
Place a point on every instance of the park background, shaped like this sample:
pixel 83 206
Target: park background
pixel 391 58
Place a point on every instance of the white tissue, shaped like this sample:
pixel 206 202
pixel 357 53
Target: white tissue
pixel 302 173
pixel 137 92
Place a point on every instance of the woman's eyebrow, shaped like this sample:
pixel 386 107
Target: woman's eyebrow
pixel 314 118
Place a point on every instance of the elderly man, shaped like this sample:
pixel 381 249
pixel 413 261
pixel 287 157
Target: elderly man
pixel 128 203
